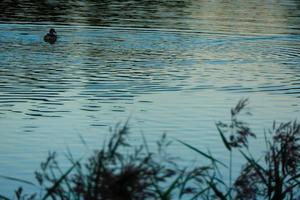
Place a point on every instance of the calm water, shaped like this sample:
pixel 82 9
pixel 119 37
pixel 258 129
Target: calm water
pixel 172 66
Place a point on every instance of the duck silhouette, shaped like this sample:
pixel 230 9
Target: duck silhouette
pixel 51 36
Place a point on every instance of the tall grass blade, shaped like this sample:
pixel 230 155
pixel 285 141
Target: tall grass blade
pixel 57 183
pixel 83 141
pixel 226 143
pixel 157 189
pixel 217 192
pixel 167 193
pixel 17 180
pixel 294 178
pixel 259 169
pixel 3 197
pixel 200 193
pixel 202 153
pixel 145 143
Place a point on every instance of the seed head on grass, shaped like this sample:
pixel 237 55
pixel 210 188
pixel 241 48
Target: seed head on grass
pixel 278 177
pixel 238 130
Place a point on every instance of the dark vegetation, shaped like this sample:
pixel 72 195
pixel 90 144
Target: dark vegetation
pixel 120 171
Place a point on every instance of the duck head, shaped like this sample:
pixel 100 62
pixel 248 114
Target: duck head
pixel 52 31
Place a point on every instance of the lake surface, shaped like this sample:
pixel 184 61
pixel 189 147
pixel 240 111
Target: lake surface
pixel 170 66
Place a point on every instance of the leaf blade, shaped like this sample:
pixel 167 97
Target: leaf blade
pixel 202 153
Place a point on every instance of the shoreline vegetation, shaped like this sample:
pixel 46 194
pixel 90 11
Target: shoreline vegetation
pixel 119 171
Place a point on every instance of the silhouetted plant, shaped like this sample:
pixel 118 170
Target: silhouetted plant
pixel 278 177
pixel 111 174
pixel 238 131
pixel 119 171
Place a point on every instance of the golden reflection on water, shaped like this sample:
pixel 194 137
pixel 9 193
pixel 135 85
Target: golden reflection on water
pixel 246 17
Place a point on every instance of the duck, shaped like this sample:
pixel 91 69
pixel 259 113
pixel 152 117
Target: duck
pixel 51 37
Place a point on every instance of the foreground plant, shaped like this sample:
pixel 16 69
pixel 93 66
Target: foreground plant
pixel 278 176
pixel 119 171
pixel 111 174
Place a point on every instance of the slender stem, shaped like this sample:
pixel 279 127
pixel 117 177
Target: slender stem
pixel 230 174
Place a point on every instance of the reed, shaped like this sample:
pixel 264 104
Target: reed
pixel 111 174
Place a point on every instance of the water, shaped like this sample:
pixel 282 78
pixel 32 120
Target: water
pixel 171 66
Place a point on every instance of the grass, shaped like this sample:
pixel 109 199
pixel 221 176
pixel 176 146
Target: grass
pixel 110 174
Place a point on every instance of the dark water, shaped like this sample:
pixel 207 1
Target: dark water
pixel 173 66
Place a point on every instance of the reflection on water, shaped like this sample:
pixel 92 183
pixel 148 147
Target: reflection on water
pixel 174 66
pixel 201 15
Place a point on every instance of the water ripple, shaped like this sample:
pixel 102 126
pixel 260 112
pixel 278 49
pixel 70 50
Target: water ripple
pixel 173 65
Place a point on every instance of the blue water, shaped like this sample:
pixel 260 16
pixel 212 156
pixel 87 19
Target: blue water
pixel 170 68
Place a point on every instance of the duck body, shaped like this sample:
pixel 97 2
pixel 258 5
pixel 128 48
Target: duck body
pixel 51 37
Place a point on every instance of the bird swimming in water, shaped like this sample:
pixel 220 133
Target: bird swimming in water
pixel 51 36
